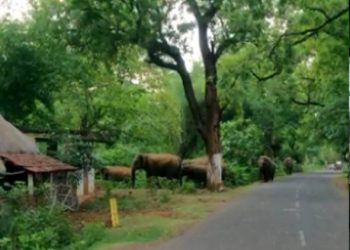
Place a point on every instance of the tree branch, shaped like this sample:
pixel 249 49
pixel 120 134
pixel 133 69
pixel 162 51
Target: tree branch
pixel 306 34
pixel 195 9
pixel 211 12
pixel 307 103
pixel 223 46
pixel 322 11
pixel 155 58
pixel 155 50
pixel 265 78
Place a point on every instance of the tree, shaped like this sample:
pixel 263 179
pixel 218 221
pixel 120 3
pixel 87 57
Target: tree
pixel 156 27
pixel 26 67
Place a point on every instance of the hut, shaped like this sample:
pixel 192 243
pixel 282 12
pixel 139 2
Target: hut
pixel 20 160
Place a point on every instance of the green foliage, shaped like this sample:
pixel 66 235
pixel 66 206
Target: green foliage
pixel 92 233
pixel 164 197
pixel 171 184
pixel 24 66
pixel 188 187
pixel 279 171
pixel 100 84
pixel 241 141
pixel 328 154
pixel 239 175
pixel 312 163
pixel 28 225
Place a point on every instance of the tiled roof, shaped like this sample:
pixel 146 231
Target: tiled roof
pixel 36 163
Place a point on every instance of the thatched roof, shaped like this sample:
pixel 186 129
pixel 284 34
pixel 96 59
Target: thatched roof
pixel 14 141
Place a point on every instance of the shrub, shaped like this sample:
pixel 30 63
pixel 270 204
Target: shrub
pixel 241 141
pixel 169 184
pixel 239 175
pixel 92 233
pixel 188 187
pixel 31 224
pixel 164 197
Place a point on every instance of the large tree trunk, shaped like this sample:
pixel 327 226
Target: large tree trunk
pixel 208 126
pixel 212 135
pixel 212 141
pixel 210 132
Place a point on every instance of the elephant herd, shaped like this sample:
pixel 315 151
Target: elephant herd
pixel 160 165
pixel 267 167
pixel 173 167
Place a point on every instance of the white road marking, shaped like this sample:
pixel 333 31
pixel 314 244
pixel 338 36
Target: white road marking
pixel 302 238
pixel 297 204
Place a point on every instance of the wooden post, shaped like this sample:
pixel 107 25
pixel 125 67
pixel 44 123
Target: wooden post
pixel 114 212
pixel 91 181
pixel 80 186
pixel 30 183
pixel 51 186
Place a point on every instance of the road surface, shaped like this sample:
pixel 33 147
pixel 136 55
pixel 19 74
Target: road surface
pixel 302 211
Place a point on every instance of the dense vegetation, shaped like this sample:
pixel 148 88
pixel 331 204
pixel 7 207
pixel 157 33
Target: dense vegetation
pixel 104 86
pixel 85 73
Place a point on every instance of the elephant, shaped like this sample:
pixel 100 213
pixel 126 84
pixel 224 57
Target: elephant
pixel 196 169
pixel 162 165
pixel 118 173
pixel 288 165
pixel 267 168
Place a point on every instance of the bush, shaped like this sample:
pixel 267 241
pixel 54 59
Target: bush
pixel 238 175
pixel 280 169
pixel 241 141
pixel 188 187
pixel 297 168
pixel 164 197
pixel 92 233
pixel 28 224
pixel 172 184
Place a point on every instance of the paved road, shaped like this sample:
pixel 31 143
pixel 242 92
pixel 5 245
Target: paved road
pixel 303 211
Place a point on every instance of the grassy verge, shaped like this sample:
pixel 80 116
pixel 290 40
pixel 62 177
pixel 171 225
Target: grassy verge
pixel 341 183
pixel 150 216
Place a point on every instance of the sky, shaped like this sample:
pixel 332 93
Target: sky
pixel 18 9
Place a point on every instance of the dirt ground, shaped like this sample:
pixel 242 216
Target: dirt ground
pixel 341 183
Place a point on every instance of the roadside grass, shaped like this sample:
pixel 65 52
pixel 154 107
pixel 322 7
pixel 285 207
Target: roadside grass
pixel 341 183
pixel 155 220
pixel 151 215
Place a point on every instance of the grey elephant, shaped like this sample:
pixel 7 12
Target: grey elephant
pixel 117 173
pixel 196 169
pixel 162 165
pixel 288 164
pixel 267 168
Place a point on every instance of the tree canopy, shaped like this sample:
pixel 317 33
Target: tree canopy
pixel 118 68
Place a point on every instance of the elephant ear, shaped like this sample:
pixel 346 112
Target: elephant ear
pixel 138 161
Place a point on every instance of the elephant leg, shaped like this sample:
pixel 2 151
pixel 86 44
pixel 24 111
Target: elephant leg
pixel 180 180
pixel 265 174
pixel 261 175
pixel 157 182
pixel 272 175
pixel 266 178
pixel 149 180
